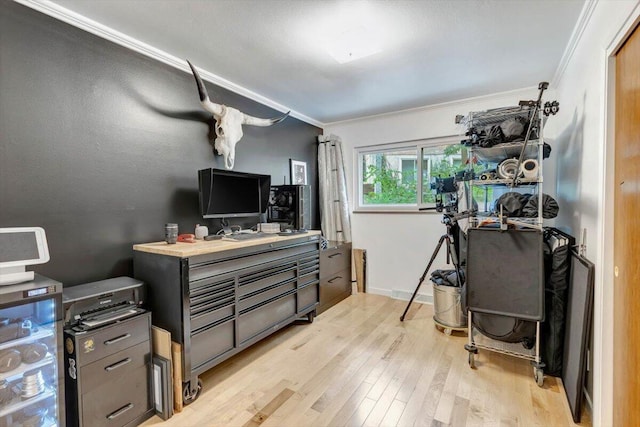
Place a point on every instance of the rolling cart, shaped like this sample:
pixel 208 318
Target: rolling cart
pixel 508 296
pixel 505 268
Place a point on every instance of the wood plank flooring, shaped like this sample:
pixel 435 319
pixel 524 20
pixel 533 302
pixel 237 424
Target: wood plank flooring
pixel 358 365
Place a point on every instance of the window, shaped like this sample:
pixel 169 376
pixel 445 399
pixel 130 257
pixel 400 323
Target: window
pixel 387 176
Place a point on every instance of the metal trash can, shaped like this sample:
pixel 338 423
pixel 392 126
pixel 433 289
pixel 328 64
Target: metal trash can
pixel 447 306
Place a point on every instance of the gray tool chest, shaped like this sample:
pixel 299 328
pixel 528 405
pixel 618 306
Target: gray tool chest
pixel 218 303
pixel 108 380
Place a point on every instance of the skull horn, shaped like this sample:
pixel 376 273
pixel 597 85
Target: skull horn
pixel 212 107
pixel 255 121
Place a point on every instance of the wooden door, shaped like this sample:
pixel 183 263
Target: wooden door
pixel 626 352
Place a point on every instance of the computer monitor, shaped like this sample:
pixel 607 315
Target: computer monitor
pixel 19 247
pixel 229 194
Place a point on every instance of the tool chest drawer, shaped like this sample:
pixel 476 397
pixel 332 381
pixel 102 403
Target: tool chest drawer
pixel 307 296
pixel 212 342
pixel 267 295
pixel 266 317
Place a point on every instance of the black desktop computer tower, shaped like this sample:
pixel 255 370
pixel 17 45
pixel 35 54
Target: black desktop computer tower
pixel 290 205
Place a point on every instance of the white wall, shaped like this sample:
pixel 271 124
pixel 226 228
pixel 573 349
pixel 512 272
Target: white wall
pixel 399 245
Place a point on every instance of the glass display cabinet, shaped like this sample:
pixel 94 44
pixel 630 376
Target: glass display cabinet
pixel 31 375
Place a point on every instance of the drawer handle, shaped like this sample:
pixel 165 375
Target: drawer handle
pixel 334 279
pixel 118 364
pixel 118 339
pixel 336 254
pixel 120 411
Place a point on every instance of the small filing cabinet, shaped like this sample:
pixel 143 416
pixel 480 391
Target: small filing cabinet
pixel 335 274
pixel 108 374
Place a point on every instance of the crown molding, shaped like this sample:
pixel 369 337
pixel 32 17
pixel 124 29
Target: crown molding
pixel 454 103
pixel 82 22
pixel 574 40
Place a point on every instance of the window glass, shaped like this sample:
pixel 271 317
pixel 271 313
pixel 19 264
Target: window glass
pixel 389 177
pixel 400 176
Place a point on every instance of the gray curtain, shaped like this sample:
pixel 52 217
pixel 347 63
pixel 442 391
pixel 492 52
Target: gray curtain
pixel 334 205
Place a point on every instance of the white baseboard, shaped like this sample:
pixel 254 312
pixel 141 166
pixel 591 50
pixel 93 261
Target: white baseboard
pixel 379 291
pixel 402 295
pixel 406 296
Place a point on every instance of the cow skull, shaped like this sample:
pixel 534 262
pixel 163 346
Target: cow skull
pixel 229 122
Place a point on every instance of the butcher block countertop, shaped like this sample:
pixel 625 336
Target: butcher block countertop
pixel 202 247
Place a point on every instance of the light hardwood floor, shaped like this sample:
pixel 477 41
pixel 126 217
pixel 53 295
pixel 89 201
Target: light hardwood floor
pixel 358 365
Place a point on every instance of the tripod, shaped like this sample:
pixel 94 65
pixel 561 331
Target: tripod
pixel 451 255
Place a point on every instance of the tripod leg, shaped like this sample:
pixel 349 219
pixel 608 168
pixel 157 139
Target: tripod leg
pixel 451 254
pixel 426 270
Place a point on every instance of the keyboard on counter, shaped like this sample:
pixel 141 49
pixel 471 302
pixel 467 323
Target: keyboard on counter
pixel 241 237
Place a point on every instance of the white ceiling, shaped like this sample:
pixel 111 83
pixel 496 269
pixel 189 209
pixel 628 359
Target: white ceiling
pixel 433 51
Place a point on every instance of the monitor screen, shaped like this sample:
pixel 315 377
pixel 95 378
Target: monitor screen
pixel 226 194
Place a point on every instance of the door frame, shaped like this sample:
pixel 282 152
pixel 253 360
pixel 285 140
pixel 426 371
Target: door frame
pixel 603 298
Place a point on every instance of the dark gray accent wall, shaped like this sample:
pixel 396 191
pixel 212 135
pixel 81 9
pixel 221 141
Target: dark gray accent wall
pixel 101 145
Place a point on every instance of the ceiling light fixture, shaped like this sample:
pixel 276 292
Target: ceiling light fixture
pixel 355 43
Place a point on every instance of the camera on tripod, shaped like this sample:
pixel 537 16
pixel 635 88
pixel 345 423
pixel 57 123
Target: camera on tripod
pixel 446 196
pixel 447 191
pixel 444 185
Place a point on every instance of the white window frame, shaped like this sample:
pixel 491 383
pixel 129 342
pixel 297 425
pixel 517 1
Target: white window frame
pixel 417 145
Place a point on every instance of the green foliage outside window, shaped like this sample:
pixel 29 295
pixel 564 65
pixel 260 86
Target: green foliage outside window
pixel 383 184
pixel 395 187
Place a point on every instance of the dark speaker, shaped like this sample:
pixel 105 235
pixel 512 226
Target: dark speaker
pixel 290 205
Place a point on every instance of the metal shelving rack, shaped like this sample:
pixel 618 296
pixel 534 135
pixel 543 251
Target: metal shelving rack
pixel 527 149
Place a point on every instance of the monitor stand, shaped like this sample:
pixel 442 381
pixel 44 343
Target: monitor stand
pixel 13 275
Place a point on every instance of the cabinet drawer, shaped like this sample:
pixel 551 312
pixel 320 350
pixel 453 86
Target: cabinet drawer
pixel 119 401
pixel 212 305
pixel 198 294
pixel 307 297
pixel 111 367
pixel 334 260
pixel 205 318
pixel 335 287
pixel 252 301
pixel 113 339
pixel 210 343
pixel 277 257
pixel 308 278
pixel 265 317
pixel 255 283
pixel 309 264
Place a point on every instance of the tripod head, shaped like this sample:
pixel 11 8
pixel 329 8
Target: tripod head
pixel 445 202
